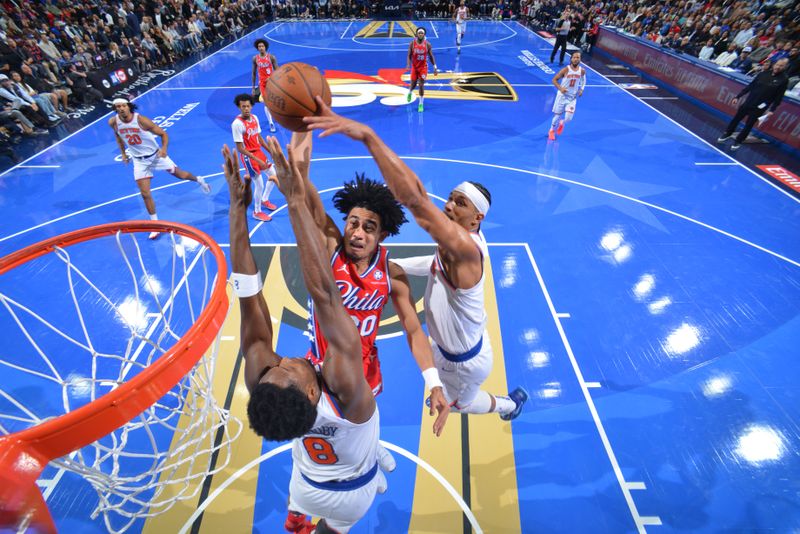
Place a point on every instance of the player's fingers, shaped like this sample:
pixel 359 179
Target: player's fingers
pixel 322 107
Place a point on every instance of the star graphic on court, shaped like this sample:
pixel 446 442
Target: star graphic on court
pixel 658 132
pixel 601 176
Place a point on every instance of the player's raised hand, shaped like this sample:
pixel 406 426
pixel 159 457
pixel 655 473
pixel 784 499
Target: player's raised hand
pixel 330 123
pixel 290 181
pixel 439 404
pixel 240 191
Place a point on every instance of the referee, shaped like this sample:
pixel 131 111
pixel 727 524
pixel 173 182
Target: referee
pixel 561 38
pixel 764 93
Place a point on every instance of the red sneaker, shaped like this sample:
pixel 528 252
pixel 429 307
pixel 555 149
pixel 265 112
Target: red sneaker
pixel 296 522
pixel 551 135
pixel 269 205
pixel 261 216
pixel 560 128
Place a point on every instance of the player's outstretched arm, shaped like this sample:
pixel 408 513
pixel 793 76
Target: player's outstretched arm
pixel 343 370
pixel 302 144
pixel 404 184
pixel 256 325
pixel 403 302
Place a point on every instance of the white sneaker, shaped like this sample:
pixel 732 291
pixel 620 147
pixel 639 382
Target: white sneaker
pixel 154 235
pixel 386 461
pixel 204 186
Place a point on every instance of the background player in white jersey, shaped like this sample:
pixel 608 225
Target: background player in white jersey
pixel 570 82
pixel 454 310
pixel 247 136
pixel 138 134
pixel 331 416
pixel 460 17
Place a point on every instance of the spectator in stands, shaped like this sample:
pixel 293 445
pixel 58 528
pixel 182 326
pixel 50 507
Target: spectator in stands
pixel 707 52
pixel 760 54
pixel 78 77
pixel 793 70
pixel 743 63
pixel 42 86
pixel 47 102
pixel 22 102
pixel 722 43
pixel 744 35
pixel 727 57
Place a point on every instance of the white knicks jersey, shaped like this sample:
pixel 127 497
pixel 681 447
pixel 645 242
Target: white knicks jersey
pixel 461 14
pixel 456 318
pixel 571 81
pixel 335 448
pixel 140 142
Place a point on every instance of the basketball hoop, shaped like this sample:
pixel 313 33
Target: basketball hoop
pixel 139 420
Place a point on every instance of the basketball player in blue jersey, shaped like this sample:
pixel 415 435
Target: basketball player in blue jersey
pixel 454 297
pixel 570 82
pixel 330 416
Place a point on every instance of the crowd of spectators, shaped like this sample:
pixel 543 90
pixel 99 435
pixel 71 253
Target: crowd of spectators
pixel 421 9
pixel 49 48
pixel 745 36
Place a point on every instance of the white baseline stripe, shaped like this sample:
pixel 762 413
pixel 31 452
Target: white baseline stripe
pixel 435 33
pixel 39 166
pixel 658 98
pixel 563 315
pixel 715 163
pixel 283 448
pixel 620 75
pixel 594 385
pixel 201 88
pixel 90 208
pixel 742 165
pixel 138 97
pixel 636 485
pixel 345 30
pixel 589 401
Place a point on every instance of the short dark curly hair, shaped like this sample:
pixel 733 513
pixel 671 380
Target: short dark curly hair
pixel 280 414
pixel 483 190
pixel 259 41
pixel 241 98
pixel 369 194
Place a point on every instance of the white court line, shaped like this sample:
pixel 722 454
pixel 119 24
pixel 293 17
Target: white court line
pixel 435 33
pixel 658 98
pixel 270 30
pixel 640 521
pixel 636 485
pixel 742 165
pixel 650 520
pixel 563 315
pixel 90 208
pixel 715 163
pixel 39 166
pixel 394 48
pixel 283 448
pixel 594 385
pixel 136 98
pixel 621 75
pixel 479 164
pixel 345 30
pixel 201 88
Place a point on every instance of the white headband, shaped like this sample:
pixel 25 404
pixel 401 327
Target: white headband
pixel 119 101
pixel 475 196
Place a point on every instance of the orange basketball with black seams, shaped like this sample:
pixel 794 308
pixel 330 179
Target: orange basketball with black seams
pixel 290 94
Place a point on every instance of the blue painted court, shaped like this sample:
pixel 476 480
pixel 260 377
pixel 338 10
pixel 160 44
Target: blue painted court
pixel 645 290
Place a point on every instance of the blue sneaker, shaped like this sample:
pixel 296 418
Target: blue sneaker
pixel 520 397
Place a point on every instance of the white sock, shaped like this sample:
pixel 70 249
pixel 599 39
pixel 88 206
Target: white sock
pixel 153 216
pixel 421 98
pixel 504 405
pixel 554 124
pixel 267 190
pixel 259 181
pixel 269 116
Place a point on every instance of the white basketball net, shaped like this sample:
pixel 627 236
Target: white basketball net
pixel 162 456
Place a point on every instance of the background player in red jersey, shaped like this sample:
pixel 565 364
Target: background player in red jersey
pixel 264 64
pixel 247 136
pixel 419 50
pixel 357 257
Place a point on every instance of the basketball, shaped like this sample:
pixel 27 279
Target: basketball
pixel 290 94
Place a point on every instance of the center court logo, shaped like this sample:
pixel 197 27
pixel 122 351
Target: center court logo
pixel 351 89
